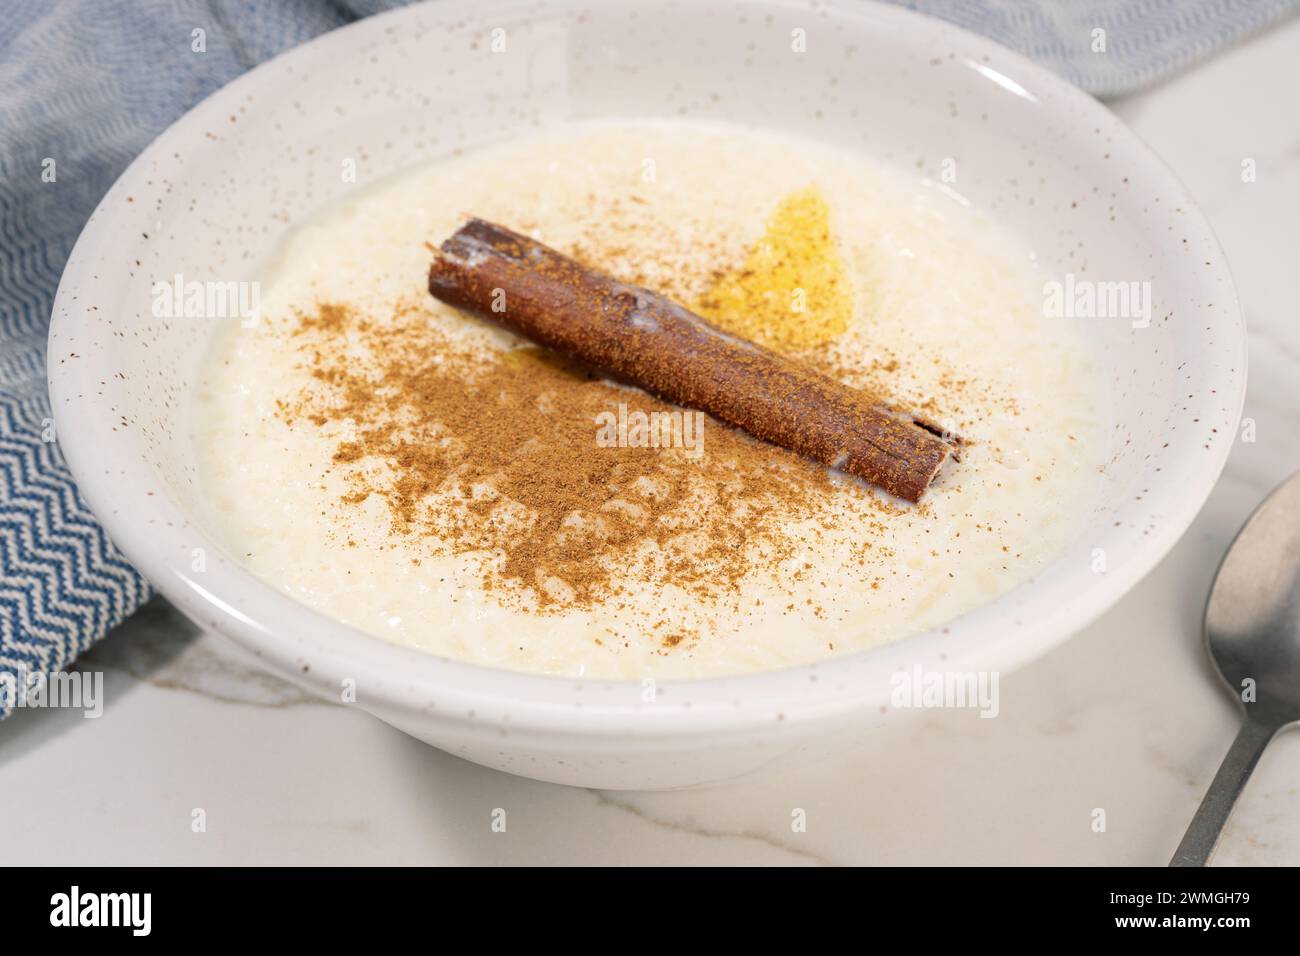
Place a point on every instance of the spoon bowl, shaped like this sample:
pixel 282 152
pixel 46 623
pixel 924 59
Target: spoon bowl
pixel 1252 631
pixel 1252 622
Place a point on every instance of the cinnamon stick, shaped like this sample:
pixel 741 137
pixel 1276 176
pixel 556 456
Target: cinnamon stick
pixel 645 339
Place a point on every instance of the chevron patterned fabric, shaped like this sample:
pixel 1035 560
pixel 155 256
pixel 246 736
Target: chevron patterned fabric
pixel 89 83
pixel 1142 41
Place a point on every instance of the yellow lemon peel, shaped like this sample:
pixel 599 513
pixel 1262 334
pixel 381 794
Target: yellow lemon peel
pixel 793 291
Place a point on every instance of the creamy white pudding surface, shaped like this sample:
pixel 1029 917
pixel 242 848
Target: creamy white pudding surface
pixel 432 479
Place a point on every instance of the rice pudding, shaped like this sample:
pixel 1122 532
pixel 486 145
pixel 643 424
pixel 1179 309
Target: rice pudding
pixel 435 480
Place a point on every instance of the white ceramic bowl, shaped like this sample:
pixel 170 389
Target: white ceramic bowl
pixel 216 191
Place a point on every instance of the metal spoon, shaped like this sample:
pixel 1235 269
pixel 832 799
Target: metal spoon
pixel 1252 630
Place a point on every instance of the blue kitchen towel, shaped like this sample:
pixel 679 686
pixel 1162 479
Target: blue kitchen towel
pixel 89 83
pixel 1111 47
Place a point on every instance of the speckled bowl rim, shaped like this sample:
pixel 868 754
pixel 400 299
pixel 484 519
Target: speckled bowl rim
pixel 153 532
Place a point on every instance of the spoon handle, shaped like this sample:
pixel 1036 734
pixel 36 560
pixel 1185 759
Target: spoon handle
pixel 1203 834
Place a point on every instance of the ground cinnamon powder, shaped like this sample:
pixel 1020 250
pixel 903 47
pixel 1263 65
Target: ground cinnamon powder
pixel 488 452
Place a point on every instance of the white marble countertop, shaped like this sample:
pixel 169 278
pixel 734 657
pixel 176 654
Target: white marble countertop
pixel 1126 717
